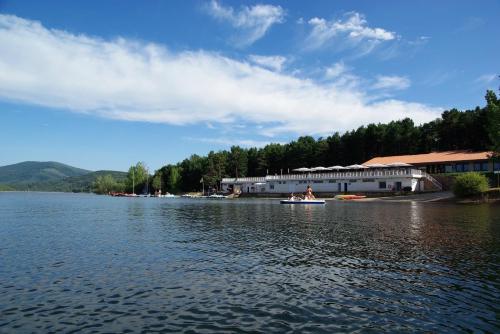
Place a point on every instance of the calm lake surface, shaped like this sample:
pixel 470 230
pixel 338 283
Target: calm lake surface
pixel 86 263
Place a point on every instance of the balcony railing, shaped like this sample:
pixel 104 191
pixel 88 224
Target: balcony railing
pixel 331 175
pixel 244 179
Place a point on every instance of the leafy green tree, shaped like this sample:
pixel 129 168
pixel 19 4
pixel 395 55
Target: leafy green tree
pixel 105 184
pixel 215 168
pixel 210 177
pixel 300 153
pixel 192 171
pixel 174 182
pixel 156 182
pixel 272 158
pixel 334 154
pixel 428 137
pixel 137 177
pixel 493 117
pixel 470 184
pixel 238 162
pixel 253 162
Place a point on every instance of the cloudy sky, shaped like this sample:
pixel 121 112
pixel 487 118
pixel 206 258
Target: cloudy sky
pixel 104 84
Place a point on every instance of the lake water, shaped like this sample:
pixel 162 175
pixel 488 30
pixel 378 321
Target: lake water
pixel 86 263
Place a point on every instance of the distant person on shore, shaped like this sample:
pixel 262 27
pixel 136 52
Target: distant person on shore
pixel 309 193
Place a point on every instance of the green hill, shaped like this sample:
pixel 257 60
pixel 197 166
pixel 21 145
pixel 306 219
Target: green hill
pixel 50 176
pixel 33 171
pixel 82 183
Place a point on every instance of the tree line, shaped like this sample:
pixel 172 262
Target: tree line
pixel 476 129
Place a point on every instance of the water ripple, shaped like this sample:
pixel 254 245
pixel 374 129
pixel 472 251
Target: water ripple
pixel 91 264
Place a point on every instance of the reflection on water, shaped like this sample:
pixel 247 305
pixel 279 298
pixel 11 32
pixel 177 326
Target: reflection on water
pixel 89 263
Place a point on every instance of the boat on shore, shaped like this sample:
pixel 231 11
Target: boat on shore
pixel 213 196
pixel 216 196
pixel 120 194
pixel 349 197
pixel 168 195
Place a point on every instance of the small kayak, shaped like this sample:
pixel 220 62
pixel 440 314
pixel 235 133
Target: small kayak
pixel 349 197
pixel 303 201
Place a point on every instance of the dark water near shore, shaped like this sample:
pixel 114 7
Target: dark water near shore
pixel 85 263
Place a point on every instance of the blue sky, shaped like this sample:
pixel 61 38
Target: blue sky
pixel 104 84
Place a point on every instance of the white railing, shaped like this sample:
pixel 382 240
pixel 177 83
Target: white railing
pixel 347 175
pixel 244 179
pixel 331 175
pixel 432 180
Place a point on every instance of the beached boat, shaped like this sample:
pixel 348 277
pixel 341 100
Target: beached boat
pixel 216 196
pixel 302 201
pixel 119 194
pixel 349 197
pixel 168 195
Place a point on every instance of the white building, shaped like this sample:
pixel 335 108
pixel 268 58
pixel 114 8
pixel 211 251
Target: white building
pixel 362 181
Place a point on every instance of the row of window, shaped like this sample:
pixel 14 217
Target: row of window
pixel 465 167
pixel 481 167
pixel 329 181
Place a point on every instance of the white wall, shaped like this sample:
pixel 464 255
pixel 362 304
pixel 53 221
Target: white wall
pixel 353 185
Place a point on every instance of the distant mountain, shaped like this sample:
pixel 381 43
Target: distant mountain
pixel 82 183
pixel 50 176
pixel 35 171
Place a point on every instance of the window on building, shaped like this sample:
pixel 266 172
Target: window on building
pixel 271 186
pixel 353 180
pixel 496 166
pixel 331 181
pixel 368 180
pixel 459 167
pixel 448 169
pixel 481 166
pixel 318 181
pixel 382 185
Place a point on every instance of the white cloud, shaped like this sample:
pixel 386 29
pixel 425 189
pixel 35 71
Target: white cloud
pixel 391 82
pixel 253 21
pixel 335 70
pixel 486 78
pixel 274 63
pixel 353 29
pixel 135 81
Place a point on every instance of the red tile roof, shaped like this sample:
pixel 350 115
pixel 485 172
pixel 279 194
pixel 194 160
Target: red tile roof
pixel 434 157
